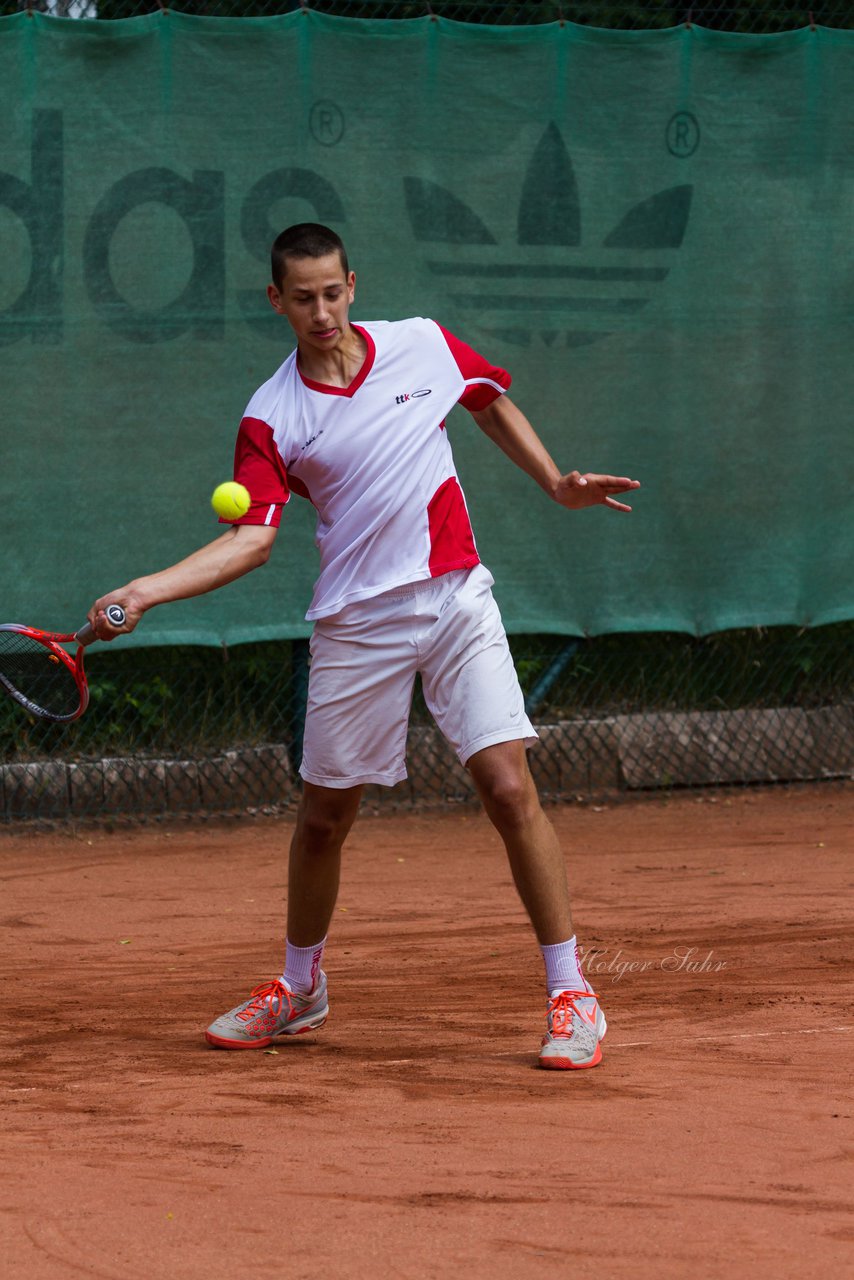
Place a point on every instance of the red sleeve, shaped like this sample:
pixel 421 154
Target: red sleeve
pixel 486 381
pixel 258 465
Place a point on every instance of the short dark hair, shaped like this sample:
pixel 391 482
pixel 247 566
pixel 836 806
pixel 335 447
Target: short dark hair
pixel 305 240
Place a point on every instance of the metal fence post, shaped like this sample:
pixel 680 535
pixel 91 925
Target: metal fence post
pixel 299 699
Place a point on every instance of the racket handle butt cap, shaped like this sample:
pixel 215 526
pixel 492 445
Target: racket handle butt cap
pixel 115 616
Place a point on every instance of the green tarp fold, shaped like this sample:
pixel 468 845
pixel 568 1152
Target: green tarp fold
pixel 651 230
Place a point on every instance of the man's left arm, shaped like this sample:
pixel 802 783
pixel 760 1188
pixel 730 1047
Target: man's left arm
pixel 507 426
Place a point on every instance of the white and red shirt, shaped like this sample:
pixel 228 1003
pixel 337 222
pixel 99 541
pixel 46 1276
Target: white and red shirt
pixel 373 458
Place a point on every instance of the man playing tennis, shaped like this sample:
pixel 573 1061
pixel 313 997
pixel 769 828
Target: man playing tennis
pixel 354 420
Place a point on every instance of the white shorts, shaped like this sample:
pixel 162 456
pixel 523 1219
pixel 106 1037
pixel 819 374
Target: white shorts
pixel 363 666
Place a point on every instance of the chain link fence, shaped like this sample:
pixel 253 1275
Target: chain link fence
pixel 760 16
pixel 205 731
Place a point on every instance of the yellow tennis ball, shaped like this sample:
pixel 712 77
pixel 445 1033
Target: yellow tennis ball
pixel 230 500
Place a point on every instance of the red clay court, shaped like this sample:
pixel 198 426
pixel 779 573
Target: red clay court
pixel 414 1136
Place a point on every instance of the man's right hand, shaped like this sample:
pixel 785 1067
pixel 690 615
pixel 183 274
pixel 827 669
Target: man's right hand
pixel 101 624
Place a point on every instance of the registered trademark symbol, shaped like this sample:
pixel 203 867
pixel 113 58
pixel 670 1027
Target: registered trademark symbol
pixel 683 134
pixel 326 123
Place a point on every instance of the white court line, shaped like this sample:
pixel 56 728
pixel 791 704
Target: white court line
pixel 732 1035
pixel 636 1044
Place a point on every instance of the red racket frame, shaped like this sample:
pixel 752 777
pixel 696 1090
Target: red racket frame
pixel 53 642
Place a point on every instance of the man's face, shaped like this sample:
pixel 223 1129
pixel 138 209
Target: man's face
pixel 315 296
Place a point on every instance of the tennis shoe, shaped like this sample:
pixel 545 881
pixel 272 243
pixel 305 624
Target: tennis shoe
pixel 272 1010
pixel 576 1024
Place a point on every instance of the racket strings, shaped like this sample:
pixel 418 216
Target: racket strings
pixel 33 674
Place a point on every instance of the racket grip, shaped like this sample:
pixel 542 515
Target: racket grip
pixel 115 616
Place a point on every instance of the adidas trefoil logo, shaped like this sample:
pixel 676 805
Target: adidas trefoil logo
pixel 543 289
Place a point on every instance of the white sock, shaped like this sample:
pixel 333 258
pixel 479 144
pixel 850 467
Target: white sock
pixel 563 967
pixel 302 965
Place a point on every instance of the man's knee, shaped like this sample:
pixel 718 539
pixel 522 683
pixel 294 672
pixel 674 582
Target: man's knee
pixel 508 792
pixel 511 801
pixel 325 816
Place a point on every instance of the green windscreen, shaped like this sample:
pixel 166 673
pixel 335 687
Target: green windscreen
pixel 651 230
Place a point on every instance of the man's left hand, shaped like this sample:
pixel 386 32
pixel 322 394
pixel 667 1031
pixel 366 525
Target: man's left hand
pixel 576 491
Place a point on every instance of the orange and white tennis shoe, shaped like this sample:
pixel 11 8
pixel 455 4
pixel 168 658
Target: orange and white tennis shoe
pixel 576 1024
pixel 271 1011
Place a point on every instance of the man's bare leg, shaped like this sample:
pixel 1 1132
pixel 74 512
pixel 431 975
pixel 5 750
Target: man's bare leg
pixel 275 1009
pixel 575 1023
pixel 324 819
pixel 507 790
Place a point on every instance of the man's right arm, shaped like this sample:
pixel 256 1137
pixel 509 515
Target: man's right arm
pixel 242 548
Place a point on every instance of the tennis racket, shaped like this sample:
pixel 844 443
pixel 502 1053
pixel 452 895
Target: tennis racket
pixel 38 673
